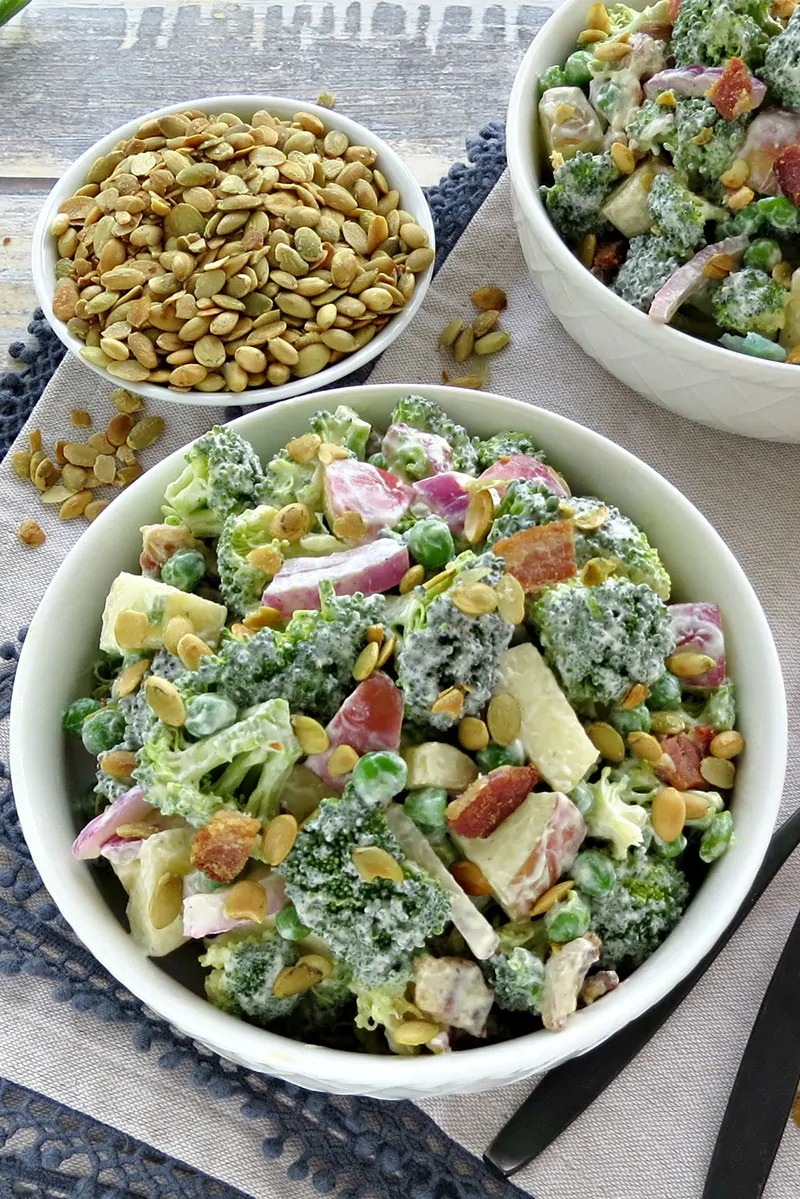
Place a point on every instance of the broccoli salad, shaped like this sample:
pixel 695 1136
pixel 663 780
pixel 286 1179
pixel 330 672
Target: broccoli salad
pixel 673 136
pixel 401 739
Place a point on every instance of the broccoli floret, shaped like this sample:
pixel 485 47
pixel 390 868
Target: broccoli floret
pixel 650 126
pixel 223 475
pixel 645 904
pixel 517 979
pixel 679 214
pixel 240 581
pixel 712 31
pixel 246 763
pixel 244 966
pixel 580 189
pixel 639 782
pixel 702 163
pixel 373 924
pixel 342 427
pixel 648 264
pixel 442 647
pixel 601 640
pixel 619 539
pixel 781 69
pixel 611 818
pixel 624 19
pixel 750 301
pixel 525 503
pixel 309 664
pixel 289 482
pixel 324 1006
pixel 505 445
pixel 427 416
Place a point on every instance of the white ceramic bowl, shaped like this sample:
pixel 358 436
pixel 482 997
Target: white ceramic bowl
pixel 44 253
pixel 694 378
pixel 62 642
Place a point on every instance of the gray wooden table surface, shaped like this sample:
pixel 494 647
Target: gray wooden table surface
pixel 424 76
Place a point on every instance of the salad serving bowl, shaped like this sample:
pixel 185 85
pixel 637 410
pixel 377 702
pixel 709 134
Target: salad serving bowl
pixel 398 175
pixel 61 646
pixel 693 378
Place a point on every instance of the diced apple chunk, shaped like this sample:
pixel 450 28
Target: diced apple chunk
pixel 159 602
pixel 437 764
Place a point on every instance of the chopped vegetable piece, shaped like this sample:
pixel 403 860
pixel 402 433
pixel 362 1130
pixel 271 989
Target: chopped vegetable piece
pixel 368 720
pixel 369 569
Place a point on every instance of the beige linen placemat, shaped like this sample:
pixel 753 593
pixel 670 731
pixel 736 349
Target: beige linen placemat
pixel 650 1135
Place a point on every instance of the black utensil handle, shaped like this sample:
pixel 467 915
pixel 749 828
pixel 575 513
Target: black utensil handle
pixel 765 1087
pixel 569 1089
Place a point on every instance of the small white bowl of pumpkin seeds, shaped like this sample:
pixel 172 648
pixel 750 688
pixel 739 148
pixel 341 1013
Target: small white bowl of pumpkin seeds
pixel 234 249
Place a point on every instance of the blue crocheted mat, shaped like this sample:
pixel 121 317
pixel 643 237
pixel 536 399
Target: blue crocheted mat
pixel 398 1150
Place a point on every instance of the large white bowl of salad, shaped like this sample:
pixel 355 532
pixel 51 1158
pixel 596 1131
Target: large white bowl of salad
pixel 393 755
pixel 655 158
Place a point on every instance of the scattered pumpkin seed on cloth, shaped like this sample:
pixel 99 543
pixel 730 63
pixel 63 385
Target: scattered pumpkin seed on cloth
pixel 210 253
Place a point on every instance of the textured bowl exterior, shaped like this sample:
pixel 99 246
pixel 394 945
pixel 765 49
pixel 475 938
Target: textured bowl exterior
pixel 44 253
pixel 693 378
pixel 701 567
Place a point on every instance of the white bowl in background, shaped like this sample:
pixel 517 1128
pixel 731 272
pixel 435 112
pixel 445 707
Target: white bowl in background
pixel 694 378
pixel 62 643
pixel 44 253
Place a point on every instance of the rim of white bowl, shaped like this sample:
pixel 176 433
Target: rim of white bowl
pixel 521 130
pixel 107 940
pixel 395 169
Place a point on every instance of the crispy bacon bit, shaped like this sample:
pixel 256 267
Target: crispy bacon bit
pixel 160 542
pixel 732 94
pixel 222 847
pixel 597 985
pixel 788 167
pixel 540 556
pixel 672 10
pixel 609 256
pixel 490 799
pixel 683 753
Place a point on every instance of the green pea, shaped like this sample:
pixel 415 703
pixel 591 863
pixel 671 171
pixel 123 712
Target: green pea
pixel 412 461
pixel 443 847
pixel 207 714
pixel 780 212
pixel 749 220
pixel 763 254
pixel 577 68
pixel 500 755
pixel 184 569
pixel 717 838
pixel 669 849
pixel 379 776
pixel 552 77
pixel 568 919
pixel 102 730
pixel 630 720
pixel 378 460
pixel 430 542
pixel 582 796
pixel 665 693
pixel 289 925
pixel 427 807
pixel 76 713
pixel 593 872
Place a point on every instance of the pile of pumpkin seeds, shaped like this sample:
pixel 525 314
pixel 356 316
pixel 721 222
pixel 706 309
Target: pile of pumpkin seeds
pixel 480 338
pixel 216 254
pixel 71 477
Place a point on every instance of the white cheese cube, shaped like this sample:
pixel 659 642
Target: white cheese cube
pixel 551 734
pixel 160 603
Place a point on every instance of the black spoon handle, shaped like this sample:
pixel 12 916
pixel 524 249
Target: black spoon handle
pixel 568 1090
pixel 764 1090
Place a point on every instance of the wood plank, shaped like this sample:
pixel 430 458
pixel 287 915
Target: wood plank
pixel 424 76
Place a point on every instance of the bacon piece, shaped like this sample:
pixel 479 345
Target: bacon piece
pixel 732 94
pixel 369 719
pixel 788 167
pixel 222 847
pixel 490 799
pixel 597 985
pixel 452 991
pixel 540 556
pixel 673 7
pixel 680 767
pixel 609 255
